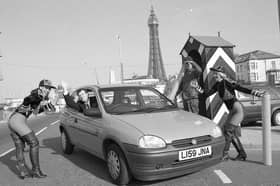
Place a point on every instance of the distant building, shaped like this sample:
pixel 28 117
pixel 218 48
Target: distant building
pixel 156 68
pixel 141 80
pixel 258 67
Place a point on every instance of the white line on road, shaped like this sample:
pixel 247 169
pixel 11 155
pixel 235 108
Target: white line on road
pixel 40 131
pixel 222 176
pixel 7 152
pixel 53 123
pixel 37 133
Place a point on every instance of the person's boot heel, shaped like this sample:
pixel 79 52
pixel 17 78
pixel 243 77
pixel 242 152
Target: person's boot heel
pixel 23 172
pixel 38 174
pixel 240 157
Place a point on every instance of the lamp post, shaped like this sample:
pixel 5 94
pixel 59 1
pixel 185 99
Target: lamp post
pixel 120 56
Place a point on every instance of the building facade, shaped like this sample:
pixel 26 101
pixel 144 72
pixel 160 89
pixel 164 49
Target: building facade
pixel 258 67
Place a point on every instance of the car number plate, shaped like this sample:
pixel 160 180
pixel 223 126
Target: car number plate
pixel 195 153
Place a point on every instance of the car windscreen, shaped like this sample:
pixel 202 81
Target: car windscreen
pixel 127 100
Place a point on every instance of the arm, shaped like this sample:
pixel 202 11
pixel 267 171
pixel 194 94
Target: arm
pixel 71 103
pixel 34 98
pixel 179 89
pixel 197 67
pixel 245 90
pixel 201 91
pixel 47 106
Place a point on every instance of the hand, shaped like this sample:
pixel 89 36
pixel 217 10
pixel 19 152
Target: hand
pixel 44 102
pixel 194 84
pixel 258 93
pixel 64 87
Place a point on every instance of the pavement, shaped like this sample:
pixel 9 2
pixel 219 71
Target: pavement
pixel 252 137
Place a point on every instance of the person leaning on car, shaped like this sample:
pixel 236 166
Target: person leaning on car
pixel 226 90
pixel 81 103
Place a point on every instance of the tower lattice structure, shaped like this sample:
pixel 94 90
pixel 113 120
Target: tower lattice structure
pixel 156 68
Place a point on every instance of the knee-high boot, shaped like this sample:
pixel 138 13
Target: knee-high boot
pixel 21 166
pixel 33 142
pixel 239 148
pixel 228 132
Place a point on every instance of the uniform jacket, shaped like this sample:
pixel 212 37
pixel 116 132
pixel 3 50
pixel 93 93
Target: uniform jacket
pixel 31 104
pixel 226 90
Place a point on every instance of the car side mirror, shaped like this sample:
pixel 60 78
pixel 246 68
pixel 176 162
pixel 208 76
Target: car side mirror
pixel 93 112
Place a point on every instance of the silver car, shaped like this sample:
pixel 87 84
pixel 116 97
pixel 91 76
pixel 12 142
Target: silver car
pixel 141 134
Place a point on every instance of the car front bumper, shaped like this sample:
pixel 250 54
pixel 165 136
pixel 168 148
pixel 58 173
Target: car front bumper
pixel 163 164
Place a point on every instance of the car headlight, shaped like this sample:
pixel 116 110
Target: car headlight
pixel 216 132
pixel 150 141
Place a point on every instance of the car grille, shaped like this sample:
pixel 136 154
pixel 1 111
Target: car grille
pixel 180 163
pixel 188 141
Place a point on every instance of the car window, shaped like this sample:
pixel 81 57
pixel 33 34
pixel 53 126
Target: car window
pixel 123 100
pixel 274 93
pixel 107 97
pixel 93 98
pixel 152 99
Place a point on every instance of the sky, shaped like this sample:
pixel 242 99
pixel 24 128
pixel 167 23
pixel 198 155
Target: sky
pixel 76 40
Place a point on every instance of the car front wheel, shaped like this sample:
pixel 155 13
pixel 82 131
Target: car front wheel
pixel 66 145
pixel 117 165
pixel 276 118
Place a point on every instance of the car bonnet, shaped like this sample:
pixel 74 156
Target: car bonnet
pixel 170 126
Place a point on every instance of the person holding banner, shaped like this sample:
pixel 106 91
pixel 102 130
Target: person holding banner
pixel 189 94
pixel 226 90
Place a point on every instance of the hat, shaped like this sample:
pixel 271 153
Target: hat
pixel 46 83
pixel 218 69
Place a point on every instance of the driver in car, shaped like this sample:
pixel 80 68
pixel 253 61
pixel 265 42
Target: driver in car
pixel 83 102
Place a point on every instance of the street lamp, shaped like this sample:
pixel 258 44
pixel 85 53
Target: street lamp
pixel 120 56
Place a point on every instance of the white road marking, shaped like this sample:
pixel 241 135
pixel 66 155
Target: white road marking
pixel 223 176
pixel 40 131
pixel 53 123
pixel 7 152
pixel 37 133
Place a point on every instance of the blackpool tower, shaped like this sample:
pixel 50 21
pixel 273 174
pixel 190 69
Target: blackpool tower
pixel 156 68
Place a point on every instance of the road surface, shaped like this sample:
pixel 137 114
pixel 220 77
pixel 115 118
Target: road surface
pixel 82 168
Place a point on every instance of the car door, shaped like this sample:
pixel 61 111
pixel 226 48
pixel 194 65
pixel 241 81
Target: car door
pixel 70 120
pixel 90 128
pixel 252 107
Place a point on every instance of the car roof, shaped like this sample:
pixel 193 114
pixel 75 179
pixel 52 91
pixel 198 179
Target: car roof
pixel 111 86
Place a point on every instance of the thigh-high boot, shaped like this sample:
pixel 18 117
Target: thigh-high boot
pixel 21 166
pixel 33 143
pixel 228 132
pixel 239 148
